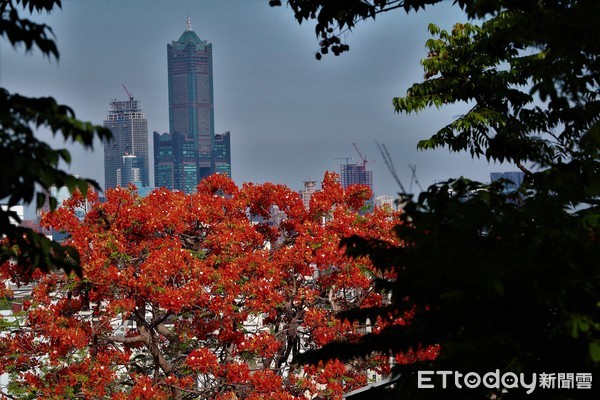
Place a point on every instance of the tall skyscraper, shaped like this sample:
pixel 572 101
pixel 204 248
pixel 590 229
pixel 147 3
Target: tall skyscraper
pixel 191 104
pixel 190 151
pixel 129 127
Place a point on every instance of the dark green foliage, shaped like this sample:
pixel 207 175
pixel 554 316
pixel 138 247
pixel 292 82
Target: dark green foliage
pixel 20 30
pixel 29 164
pixel 500 282
pixel 506 281
pixel 334 17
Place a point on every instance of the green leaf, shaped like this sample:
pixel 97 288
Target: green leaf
pixel 594 349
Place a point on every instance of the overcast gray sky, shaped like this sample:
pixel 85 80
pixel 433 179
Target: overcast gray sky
pixel 290 116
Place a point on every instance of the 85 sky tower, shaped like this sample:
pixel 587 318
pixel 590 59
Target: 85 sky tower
pixel 191 104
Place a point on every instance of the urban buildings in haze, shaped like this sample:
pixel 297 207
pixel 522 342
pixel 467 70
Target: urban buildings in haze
pixel 126 154
pixel 384 201
pixel 513 179
pixel 222 154
pixel 357 174
pixel 310 188
pixel 175 161
pixel 190 151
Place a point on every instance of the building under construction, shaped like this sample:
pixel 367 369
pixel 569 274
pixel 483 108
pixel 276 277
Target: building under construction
pixel 353 174
pixel 126 155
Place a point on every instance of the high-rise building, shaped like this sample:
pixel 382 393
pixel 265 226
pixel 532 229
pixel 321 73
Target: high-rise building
pixel 129 127
pixel 355 174
pixel 191 105
pixel 190 151
pixel 222 154
pixel 513 179
pixel 175 162
pixel 129 172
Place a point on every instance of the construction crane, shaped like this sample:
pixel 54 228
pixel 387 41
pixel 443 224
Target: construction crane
pixel 362 157
pixel 345 158
pixel 128 92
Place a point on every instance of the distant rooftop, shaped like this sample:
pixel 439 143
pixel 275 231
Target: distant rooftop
pixel 116 106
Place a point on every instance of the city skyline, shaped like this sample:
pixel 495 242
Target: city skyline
pixel 291 116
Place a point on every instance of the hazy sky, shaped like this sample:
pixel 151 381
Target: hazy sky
pixel 290 116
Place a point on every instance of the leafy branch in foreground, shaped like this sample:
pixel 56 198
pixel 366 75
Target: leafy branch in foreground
pixel 501 280
pixel 30 164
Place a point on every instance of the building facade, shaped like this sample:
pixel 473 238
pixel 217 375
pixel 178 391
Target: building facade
pixel 129 172
pixel 129 127
pixel 191 104
pixel 222 154
pixel 310 188
pixel 175 162
pixel 355 174
pixel 514 179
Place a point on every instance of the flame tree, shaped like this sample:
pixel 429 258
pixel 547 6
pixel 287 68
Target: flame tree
pixel 210 294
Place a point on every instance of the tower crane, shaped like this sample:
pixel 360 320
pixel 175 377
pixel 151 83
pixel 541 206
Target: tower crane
pixel 362 157
pixel 128 92
pixel 345 158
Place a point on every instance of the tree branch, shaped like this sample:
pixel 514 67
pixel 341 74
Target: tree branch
pixel 128 340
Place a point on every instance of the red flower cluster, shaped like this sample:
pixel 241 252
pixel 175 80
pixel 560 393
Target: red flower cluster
pixel 210 294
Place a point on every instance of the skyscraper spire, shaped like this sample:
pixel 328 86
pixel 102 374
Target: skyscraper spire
pixel 188 24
